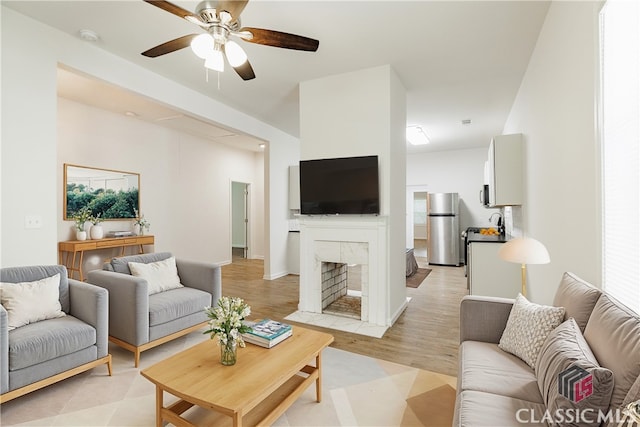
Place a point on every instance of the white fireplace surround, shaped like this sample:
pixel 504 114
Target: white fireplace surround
pixel 349 240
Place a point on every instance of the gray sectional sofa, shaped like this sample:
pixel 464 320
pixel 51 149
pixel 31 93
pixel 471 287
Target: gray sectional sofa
pixel 41 353
pixel 496 388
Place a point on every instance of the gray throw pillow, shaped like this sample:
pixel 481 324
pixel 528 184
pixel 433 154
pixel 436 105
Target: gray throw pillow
pixel 569 377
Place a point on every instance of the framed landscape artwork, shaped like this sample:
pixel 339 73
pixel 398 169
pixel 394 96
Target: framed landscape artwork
pixel 109 193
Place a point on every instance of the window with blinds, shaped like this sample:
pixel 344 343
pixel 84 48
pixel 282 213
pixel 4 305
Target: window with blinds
pixel 620 115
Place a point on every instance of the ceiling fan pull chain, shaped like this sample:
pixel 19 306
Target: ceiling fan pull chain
pixel 218 80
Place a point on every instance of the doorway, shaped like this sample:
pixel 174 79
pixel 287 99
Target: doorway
pixel 420 223
pixel 239 220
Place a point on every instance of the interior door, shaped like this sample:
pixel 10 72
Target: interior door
pixel 239 219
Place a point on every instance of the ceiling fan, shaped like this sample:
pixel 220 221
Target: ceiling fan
pixel 221 20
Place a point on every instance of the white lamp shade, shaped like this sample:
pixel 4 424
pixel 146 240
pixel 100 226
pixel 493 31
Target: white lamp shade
pixel 202 45
pixel 524 250
pixel 215 61
pixel 235 54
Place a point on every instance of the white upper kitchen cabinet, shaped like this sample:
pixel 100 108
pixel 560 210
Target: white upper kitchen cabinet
pixel 505 177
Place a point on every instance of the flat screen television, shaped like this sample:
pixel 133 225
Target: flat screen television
pixel 340 186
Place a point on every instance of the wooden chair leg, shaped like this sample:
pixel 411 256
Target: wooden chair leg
pixel 109 366
pixel 136 357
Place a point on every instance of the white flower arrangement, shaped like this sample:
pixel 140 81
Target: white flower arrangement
pixel 141 221
pixel 96 220
pixel 81 217
pixel 226 321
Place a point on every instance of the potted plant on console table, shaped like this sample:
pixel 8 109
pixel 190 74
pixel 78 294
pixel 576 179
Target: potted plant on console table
pixel 81 217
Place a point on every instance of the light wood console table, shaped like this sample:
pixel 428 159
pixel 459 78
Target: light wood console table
pixel 68 251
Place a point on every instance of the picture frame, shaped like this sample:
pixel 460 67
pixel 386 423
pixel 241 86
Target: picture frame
pixel 109 193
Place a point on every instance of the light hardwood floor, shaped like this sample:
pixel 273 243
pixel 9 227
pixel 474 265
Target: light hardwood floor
pixel 425 336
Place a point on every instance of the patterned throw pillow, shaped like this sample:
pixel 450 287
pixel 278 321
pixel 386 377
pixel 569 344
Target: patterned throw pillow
pixel 527 328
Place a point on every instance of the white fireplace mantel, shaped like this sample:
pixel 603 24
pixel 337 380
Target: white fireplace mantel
pixel 351 240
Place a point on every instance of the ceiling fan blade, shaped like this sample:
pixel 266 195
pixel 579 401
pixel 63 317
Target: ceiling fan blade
pixel 234 7
pixel 174 9
pixel 279 39
pixel 170 46
pixel 245 71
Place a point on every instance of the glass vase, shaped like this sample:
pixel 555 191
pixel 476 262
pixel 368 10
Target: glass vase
pixel 228 353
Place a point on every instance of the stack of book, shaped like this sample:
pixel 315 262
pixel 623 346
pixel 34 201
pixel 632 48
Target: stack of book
pixel 267 333
pixel 119 234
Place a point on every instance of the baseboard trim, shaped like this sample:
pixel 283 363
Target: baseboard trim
pixel 275 276
pixel 399 311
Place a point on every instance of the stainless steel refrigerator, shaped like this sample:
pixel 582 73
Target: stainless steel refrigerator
pixel 443 234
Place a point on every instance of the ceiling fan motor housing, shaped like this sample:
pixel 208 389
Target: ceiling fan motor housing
pixel 211 12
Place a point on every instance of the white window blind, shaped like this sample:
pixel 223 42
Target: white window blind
pixel 620 107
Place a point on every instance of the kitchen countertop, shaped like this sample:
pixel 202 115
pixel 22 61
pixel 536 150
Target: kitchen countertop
pixel 473 236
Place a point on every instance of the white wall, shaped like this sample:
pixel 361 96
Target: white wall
pixel 356 114
pixel 184 180
pixel 454 171
pixel 31 53
pixel 278 158
pixel 554 109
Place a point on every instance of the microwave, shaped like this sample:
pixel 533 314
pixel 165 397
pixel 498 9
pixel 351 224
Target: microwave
pixel 484 196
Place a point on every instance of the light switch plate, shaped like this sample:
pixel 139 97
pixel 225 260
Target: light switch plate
pixel 32 221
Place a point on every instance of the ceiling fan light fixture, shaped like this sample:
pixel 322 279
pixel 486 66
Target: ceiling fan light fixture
pixel 215 61
pixel 235 54
pixel 202 45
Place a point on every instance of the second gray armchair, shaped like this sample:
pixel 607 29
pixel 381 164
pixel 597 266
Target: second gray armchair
pixel 143 312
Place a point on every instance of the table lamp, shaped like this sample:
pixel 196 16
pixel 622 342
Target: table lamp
pixel 524 250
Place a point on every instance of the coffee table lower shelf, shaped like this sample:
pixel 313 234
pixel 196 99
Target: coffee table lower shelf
pixel 266 413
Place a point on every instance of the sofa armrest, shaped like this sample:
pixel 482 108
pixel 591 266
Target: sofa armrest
pixel 4 350
pixel 128 305
pixel 91 305
pixel 483 318
pixel 201 275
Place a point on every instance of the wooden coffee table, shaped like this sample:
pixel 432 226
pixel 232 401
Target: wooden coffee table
pixel 255 391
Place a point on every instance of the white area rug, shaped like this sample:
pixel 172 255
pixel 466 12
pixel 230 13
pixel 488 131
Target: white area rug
pixel 357 391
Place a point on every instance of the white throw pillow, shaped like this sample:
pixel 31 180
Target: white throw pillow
pixel 527 328
pixel 30 302
pixel 160 275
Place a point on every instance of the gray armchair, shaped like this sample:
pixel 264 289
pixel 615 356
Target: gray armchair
pixel 139 321
pixel 41 353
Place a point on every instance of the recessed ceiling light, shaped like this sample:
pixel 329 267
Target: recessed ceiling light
pixel 88 35
pixel 416 136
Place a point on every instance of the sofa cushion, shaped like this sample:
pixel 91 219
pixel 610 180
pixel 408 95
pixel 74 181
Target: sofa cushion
pixel 527 328
pixel 170 305
pixel 566 349
pixel 477 408
pixel 46 340
pixel 577 297
pixel 121 264
pixel 160 275
pixel 30 302
pixel 484 367
pixel 37 272
pixel 634 393
pixel 613 333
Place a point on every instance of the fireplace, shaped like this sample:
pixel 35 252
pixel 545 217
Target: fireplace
pixel 357 241
pixel 342 289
